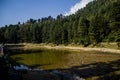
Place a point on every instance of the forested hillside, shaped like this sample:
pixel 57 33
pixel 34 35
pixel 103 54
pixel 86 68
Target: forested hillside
pixel 98 22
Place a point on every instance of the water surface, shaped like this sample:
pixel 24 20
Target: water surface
pixel 45 59
pixel 54 59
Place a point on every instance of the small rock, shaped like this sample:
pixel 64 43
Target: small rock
pixel 75 77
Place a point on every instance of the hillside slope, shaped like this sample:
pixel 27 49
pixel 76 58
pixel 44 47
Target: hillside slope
pixel 98 22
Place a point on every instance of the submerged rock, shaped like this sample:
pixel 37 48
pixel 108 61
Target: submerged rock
pixel 66 76
pixel 75 77
pixel 21 67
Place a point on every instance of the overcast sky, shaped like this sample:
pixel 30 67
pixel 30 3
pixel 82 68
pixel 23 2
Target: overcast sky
pixel 13 11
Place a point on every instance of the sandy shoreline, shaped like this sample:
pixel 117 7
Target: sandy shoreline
pixel 96 49
pixel 76 48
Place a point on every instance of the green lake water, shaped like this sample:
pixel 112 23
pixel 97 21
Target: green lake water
pixel 61 59
pixel 45 59
pixel 79 62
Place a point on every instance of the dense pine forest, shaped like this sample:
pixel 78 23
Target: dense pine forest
pixel 98 22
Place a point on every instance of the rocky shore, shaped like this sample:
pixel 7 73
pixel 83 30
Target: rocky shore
pixel 26 73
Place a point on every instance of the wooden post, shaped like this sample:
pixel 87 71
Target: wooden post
pixel 1 50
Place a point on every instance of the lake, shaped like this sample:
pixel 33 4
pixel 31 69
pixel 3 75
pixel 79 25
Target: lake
pixel 54 59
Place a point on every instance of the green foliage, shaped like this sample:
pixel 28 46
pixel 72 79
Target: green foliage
pixel 83 31
pixel 6 67
pixel 98 29
pixel 98 21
